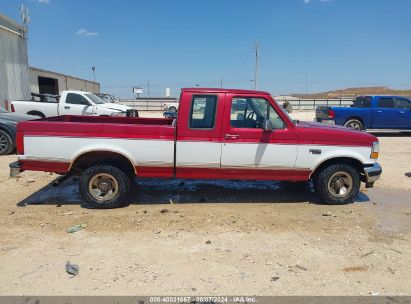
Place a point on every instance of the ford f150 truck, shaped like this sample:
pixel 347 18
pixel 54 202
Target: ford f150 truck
pixel 370 112
pixel 71 103
pixel 236 134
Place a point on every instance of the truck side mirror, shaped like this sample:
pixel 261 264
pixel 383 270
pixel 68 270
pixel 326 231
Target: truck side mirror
pixel 267 125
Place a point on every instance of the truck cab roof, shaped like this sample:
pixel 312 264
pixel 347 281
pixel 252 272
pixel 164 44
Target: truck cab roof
pixel 77 92
pixel 383 96
pixel 218 90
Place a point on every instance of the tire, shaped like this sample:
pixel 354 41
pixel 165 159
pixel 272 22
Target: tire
pixel 328 182
pixel 354 124
pixel 98 177
pixel 172 109
pixel 6 143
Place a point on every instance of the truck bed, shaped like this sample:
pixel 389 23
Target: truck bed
pixel 110 120
pixel 97 126
pixel 58 141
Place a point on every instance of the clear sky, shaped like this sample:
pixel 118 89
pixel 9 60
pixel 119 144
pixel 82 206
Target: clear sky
pixel 326 44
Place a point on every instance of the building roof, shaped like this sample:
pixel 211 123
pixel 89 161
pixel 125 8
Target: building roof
pixel 61 74
pixel 11 25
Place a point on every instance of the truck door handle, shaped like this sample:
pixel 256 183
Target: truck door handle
pixel 67 107
pixel 232 136
pixel 379 111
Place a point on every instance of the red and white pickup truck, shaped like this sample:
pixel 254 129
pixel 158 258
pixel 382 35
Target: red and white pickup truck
pixel 235 134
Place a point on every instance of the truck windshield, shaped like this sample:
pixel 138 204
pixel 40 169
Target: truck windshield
pixel 95 99
pixel 288 115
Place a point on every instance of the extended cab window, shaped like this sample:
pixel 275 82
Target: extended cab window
pixel 362 102
pixel 402 103
pixel 73 98
pixel 251 113
pixel 203 110
pixel 386 102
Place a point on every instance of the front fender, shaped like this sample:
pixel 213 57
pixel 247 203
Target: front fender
pixel 312 156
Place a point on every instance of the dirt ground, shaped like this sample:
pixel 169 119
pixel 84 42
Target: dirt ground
pixel 210 238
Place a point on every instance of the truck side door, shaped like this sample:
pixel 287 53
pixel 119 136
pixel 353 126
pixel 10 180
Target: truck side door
pixel 403 106
pixel 250 152
pixel 199 133
pixel 384 113
pixel 75 104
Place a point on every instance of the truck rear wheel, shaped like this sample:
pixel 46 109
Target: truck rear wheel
pixel 337 184
pixel 104 187
pixel 354 124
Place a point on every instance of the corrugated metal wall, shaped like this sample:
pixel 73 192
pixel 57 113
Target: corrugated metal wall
pixel 14 68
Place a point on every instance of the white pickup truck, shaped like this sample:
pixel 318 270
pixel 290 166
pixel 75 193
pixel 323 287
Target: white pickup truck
pixel 171 106
pixel 71 103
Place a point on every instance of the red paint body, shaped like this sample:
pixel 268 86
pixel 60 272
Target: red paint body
pixel 162 129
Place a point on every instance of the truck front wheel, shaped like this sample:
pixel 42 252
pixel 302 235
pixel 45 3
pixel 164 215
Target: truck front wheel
pixel 354 124
pixel 337 184
pixel 6 143
pixel 104 187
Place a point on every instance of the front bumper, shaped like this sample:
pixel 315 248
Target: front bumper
pixel 15 169
pixel 372 174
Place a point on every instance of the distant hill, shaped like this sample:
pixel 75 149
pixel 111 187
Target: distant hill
pixel 352 92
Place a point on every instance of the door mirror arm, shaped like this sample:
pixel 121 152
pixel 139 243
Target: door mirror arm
pixel 267 125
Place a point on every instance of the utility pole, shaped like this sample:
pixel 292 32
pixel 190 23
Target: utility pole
pixel 94 73
pixel 257 46
pixel 221 82
pixel 306 84
pixel 148 88
pixel 25 18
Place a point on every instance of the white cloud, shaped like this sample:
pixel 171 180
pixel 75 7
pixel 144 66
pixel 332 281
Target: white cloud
pixel 85 33
pixel 312 1
pixel 41 1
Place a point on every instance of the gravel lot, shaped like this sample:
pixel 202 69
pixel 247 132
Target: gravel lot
pixel 206 237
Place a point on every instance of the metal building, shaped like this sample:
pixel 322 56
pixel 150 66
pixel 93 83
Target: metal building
pixel 14 68
pixel 17 80
pixel 43 81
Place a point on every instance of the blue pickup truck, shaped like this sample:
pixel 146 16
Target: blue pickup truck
pixel 370 113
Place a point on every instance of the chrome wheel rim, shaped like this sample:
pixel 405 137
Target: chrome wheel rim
pixel 354 125
pixel 340 184
pixel 103 187
pixel 4 144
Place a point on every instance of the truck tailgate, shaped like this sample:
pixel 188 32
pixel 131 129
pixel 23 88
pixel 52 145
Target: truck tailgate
pixel 322 112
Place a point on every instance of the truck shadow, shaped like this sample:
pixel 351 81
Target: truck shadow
pixel 165 191
pixel 391 134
